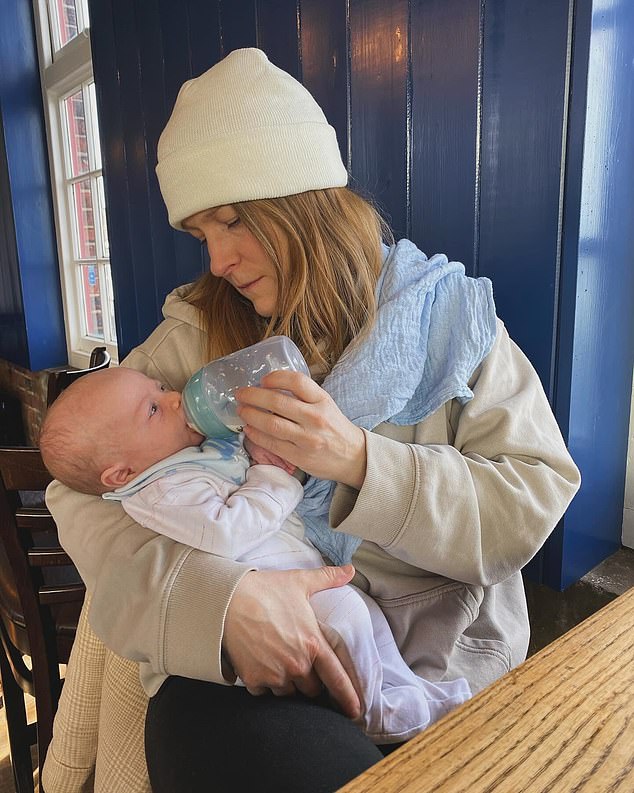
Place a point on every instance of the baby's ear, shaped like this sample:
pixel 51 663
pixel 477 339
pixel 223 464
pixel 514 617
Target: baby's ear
pixel 116 476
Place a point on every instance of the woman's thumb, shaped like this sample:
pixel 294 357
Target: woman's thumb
pixel 328 577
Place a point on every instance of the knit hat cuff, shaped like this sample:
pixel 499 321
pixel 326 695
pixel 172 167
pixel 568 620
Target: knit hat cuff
pixel 204 175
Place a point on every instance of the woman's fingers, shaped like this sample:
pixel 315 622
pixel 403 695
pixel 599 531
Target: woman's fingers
pixel 265 402
pixel 328 673
pixel 283 393
pixel 257 691
pixel 284 691
pixel 272 639
pixel 304 427
pixel 298 384
pixel 310 685
pixel 327 666
pixel 335 678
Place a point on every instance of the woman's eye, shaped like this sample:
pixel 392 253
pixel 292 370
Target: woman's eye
pixel 232 223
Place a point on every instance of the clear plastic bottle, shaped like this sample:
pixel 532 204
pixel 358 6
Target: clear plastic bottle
pixel 208 397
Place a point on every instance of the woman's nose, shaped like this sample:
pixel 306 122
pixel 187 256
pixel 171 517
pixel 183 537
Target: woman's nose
pixel 222 256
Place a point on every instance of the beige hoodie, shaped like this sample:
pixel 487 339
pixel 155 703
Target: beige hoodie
pixel 450 511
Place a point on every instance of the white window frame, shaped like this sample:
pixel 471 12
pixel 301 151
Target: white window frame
pixel 63 73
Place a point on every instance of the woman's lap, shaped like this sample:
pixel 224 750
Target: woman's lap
pixel 202 736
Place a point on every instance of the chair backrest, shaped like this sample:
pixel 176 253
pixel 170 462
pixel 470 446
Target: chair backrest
pixel 41 593
pixel 58 381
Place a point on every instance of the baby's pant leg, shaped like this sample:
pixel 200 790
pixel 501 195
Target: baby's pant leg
pixel 397 704
pixel 346 623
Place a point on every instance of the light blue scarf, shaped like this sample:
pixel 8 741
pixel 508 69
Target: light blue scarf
pixel 434 326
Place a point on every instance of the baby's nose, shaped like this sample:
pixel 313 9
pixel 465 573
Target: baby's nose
pixel 173 399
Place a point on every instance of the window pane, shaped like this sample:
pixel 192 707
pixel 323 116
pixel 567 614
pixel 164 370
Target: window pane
pixel 103 226
pixel 91 300
pixel 94 125
pixel 112 333
pixel 84 220
pixel 64 22
pixel 76 134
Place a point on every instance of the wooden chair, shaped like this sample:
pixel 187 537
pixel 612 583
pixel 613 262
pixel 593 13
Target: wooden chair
pixel 58 381
pixel 41 595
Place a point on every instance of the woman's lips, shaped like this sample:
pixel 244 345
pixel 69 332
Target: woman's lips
pixel 247 286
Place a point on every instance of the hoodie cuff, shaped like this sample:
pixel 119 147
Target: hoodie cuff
pixel 379 510
pixel 195 616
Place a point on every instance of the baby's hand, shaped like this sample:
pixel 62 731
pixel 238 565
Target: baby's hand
pixel 263 457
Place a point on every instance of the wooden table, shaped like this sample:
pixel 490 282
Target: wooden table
pixel 563 721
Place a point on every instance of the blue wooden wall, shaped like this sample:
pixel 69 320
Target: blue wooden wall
pixel 451 114
pixel 500 133
pixel 467 122
pixel 596 341
pixel 31 318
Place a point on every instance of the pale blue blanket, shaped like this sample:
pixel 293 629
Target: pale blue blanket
pixel 434 326
pixel 225 458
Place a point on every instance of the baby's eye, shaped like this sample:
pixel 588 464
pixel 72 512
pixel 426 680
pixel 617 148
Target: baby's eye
pixel 162 387
pixel 153 408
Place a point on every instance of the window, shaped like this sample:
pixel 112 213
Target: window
pixel 75 158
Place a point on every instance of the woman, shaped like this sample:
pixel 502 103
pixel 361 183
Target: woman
pixel 450 470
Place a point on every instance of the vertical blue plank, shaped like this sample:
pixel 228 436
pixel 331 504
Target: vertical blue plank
pixel 106 74
pixel 13 340
pixel 604 321
pixel 138 263
pixel 190 46
pixel 153 113
pixel 571 214
pixel 28 177
pixel 204 34
pixel 153 110
pixel 238 24
pixel 177 66
pixel 324 61
pixel 445 48
pixel 523 111
pixel 184 47
pixel 278 33
pixel 378 91
pixel 205 50
pixel 548 566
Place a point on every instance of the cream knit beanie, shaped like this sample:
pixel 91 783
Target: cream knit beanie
pixel 244 130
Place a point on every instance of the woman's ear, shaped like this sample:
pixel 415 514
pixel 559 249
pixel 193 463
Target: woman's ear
pixel 116 476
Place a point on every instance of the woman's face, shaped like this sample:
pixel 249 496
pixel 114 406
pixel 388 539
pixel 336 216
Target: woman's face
pixel 237 256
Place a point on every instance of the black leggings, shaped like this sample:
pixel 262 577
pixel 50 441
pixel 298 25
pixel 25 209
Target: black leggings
pixel 204 737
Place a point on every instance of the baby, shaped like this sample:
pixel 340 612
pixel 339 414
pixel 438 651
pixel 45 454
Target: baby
pixel 119 434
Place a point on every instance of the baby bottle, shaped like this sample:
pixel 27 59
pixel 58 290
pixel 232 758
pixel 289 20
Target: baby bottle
pixel 208 397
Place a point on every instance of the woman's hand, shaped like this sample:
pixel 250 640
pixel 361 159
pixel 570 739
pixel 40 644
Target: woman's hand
pixel 304 427
pixel 273 641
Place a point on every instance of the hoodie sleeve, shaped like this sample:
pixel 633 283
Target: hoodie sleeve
pixel 153 599
pixel 479 509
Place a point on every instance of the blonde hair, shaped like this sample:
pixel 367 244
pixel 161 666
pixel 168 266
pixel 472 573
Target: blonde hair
pixel 331 241
pixel 74 439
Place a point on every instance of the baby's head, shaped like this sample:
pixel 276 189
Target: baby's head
pixel 109 426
